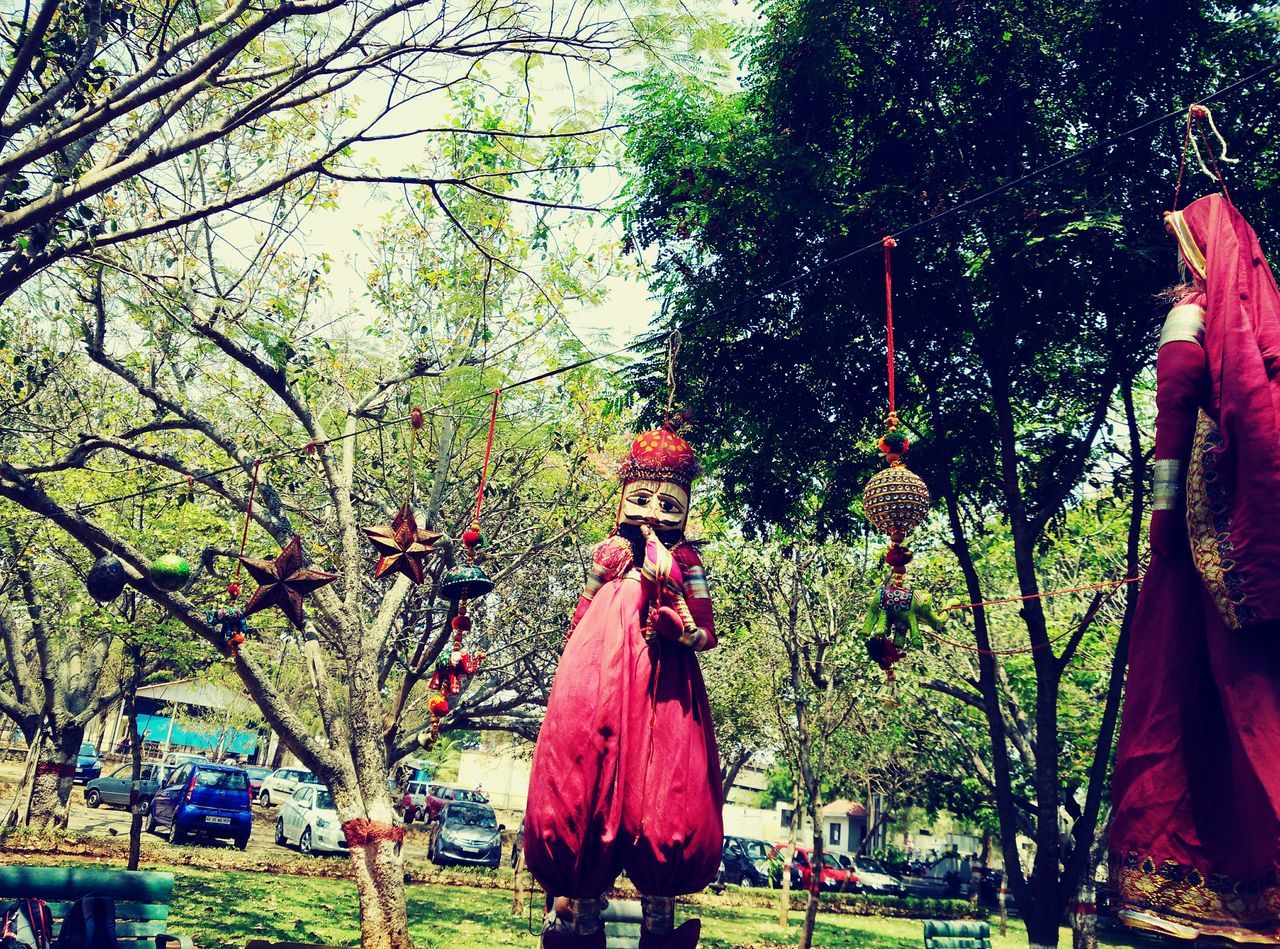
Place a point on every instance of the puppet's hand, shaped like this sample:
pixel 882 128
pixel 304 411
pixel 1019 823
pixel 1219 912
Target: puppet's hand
pixel 667 622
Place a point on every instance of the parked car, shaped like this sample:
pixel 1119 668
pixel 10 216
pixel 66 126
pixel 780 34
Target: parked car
pixel 175 758
pixel 257 774
pixel 413 805
pixel 466 832
pixel 212 800
pixel 88 763
pixel 309 818
pixel 281 783
pixel 116 787
pixel 438 795
pixel 745 861
pixel 867 875
pixel 831 877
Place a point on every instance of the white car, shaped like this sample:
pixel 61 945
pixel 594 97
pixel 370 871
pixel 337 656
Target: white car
pixel 281 784
pixel 309 818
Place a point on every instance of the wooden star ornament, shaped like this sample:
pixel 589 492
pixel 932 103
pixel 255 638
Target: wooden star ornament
pixel 401 546
pixel 284 582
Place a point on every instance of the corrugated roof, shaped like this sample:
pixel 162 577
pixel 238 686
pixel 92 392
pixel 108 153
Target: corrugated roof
pixel 843 808
pixel 199 694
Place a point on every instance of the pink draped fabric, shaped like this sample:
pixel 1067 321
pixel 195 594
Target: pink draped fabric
pixel 1195 834
pixel 1242 346
pixel 626 775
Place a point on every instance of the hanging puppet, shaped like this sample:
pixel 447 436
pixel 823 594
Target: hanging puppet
pixel 1195 834
pixel 626 773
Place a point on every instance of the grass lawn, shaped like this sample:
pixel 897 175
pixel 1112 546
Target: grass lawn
pixel 225 908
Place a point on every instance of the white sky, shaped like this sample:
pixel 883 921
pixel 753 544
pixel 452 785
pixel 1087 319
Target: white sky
pixel 628 308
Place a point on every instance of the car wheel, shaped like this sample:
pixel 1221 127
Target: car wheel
pixel 304 842
pixel 151 821
pixel 93 797
pixel 280 838
pixel 175 836
pixel 745 880
pixel 144 806
pixel 264 798
pixel 242 843
pixel 434 853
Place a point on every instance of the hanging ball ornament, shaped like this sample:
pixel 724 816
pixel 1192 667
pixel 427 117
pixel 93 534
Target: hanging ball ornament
pixel 439 706
pixel 106 578
pixel 170 572
pixel 896 500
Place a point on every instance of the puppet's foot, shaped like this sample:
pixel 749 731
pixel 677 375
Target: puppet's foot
pixel 574 924
pixel 658 931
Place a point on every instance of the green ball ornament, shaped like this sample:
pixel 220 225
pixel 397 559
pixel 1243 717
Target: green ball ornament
pixel 170 572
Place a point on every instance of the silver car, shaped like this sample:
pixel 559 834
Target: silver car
pixel 310 819
pixel 467 833
pixel 115 788
pixel 282 783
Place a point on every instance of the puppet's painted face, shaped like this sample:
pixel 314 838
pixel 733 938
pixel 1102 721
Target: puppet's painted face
pixel 662 504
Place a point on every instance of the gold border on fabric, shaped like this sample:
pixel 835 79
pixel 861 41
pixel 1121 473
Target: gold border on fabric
pixel 1179 901
pixel 1203 529
pixel 1193 255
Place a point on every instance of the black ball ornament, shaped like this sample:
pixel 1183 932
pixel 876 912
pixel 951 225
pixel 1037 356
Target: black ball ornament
pixel 106 578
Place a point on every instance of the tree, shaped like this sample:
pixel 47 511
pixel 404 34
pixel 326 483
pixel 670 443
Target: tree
pixel 804 599
pixel 230 367
pixel 1022 321
pixel 109 107
pixel 64 667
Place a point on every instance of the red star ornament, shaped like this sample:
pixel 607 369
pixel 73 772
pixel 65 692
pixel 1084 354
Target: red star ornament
pixel 283 582
pixel 401 546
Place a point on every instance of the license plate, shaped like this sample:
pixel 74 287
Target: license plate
pixel 217 820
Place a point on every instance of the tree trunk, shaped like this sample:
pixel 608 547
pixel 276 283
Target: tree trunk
pixel 21 804
pixel 1084 914
pixel 54 777
pixel 379 877
pixel 815 868
pixel 784 887
pixel 729 773
pixel 135 753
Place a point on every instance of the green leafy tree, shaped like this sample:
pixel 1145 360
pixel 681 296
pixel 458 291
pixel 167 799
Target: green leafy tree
pixel 1022 321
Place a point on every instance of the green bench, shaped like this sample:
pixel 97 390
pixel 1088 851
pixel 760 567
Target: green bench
pixel 956 934
pixel 141 898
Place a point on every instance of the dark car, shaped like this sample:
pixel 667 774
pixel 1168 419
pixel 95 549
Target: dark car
pixel 115 788
pixel 438 795
pixel 466 832
pixel 210 800
pixel 745 861
pixel 257 774
pixel 88 763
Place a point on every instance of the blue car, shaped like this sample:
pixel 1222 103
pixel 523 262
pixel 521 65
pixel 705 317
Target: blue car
pixel 207 800
pixel 88 763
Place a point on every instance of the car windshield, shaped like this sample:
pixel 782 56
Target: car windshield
pixel 469 815
pixel 88 750
pixel 223 780
pixel 871 866
pixel 258 773
pixel 756 849
pixel 831 860
pixel 324 800
pixel 306 777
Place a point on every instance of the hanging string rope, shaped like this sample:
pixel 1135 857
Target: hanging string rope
pixel 488 448
pixel 889 244
pixel 416 421
pixel 1041 596
pixel 673 350
pixel 1085 620
pixel 233 587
